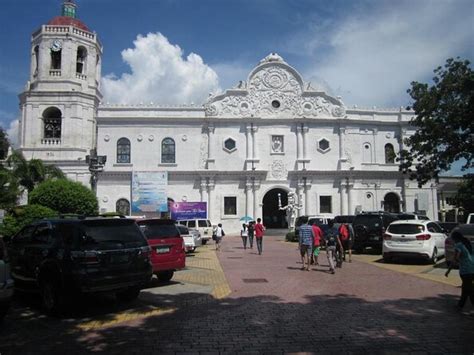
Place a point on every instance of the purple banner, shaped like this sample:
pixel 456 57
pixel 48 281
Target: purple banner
pixel 188 210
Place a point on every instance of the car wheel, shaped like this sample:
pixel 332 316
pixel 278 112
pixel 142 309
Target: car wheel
pixel 194 249
pixel 128 295
pixel 434 256
pixel 50 297
pixel 204 242
pixel 165 276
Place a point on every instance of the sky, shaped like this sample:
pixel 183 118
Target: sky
pixel 178 51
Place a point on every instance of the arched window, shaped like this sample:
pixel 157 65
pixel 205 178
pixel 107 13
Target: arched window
pixel 168 151
pixel 391 202
pixel 123 207
pixel 36 59
pixel 389 154
pixel 123 151
pixel 56 58
pixel 52 123
pixel 81 60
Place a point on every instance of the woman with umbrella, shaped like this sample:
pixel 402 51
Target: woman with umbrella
pixel 250 231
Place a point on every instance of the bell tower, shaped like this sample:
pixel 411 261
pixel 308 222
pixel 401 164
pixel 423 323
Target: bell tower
pixel 60 100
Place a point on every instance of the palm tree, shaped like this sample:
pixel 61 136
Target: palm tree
pixel 32 172
pixel 8 189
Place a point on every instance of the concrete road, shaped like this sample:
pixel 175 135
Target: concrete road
pixel 236 301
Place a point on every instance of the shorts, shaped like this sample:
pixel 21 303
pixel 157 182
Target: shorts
pixel 218 239
pixel 305 249
pixel 347 244
pixel 316 251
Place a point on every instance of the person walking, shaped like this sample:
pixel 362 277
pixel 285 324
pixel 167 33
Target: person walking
pixel 251 231
pixel 244 235
pixel 464 256
pixel 318 236
pixel 219 235
pixel 331 239
pixel 305 239
pixel 346 233
pixel 259 231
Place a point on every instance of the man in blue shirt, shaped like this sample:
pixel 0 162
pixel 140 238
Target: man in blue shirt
pixel 306 236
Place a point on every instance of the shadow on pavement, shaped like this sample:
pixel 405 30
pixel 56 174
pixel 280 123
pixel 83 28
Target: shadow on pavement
pixel 195 323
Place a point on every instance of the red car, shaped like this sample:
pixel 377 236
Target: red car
pixel 167 246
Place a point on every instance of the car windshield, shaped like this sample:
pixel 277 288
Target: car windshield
pixel 369 221
pixel 183 230
pixel 406 228
pixel 102 231
pixel 155 231
pixel 317 221
pixel 204 223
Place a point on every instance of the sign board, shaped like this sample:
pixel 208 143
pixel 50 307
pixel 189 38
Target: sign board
pixel 149 191
pixel 188 210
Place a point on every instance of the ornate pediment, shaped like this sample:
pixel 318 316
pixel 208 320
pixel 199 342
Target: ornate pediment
pixel 274 90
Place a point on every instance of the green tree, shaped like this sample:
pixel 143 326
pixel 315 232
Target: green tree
pixel 9 191
pixel 20 216
pixel 32 172
pixel 444 123
pixel 465 195
pixel 65 196
pixel 4 144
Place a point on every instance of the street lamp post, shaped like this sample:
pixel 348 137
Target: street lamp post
pixel 96 165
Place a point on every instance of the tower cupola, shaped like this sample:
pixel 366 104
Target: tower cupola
pixel 68 17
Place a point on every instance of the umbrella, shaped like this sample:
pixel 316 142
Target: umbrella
pixel 246 218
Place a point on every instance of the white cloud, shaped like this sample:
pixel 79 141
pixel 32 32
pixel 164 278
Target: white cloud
pixel 160 74
pixel 13 133
pixel 370 57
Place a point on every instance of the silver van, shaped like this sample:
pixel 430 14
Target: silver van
pixel 204 227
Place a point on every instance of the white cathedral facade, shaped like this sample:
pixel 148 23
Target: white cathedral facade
pixel 270 135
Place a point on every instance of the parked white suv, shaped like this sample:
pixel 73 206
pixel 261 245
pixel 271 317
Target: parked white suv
pixel 204 227
pixel 413 238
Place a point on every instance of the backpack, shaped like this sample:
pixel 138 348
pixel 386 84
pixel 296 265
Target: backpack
pixel 344 232
pixel 331 237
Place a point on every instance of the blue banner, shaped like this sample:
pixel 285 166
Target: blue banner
pixel 188 210
pixel 149 191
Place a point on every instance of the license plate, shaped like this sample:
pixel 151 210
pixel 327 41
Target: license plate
pixel 374 238
pixel 162 250
pixel 119 259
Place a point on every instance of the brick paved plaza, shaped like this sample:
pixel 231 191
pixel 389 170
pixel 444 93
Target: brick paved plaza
pixel 236 301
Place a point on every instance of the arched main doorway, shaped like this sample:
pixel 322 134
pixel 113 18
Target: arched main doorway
pixel 272 216
pixel 391 203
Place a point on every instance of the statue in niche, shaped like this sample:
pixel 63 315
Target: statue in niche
pixel 277 144
pixel 290 209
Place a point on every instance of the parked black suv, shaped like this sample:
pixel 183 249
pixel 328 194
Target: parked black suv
pixel 66 257
pixel 369 228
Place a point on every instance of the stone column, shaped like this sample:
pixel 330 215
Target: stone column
pixel 350 208
pixel 343 197
pixel 254 150
pixel 248 200
pixel 342 144
pixel 304 130
pixel 248 142
pixel 374 145
pixel 300 197
pixel 255 187
pixel 203 191
pixel 210 145
pixel 299 142
pixel 210 195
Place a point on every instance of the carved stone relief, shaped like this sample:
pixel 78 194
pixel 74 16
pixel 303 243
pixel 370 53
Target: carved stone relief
pixel 278 170
pixel 274 90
